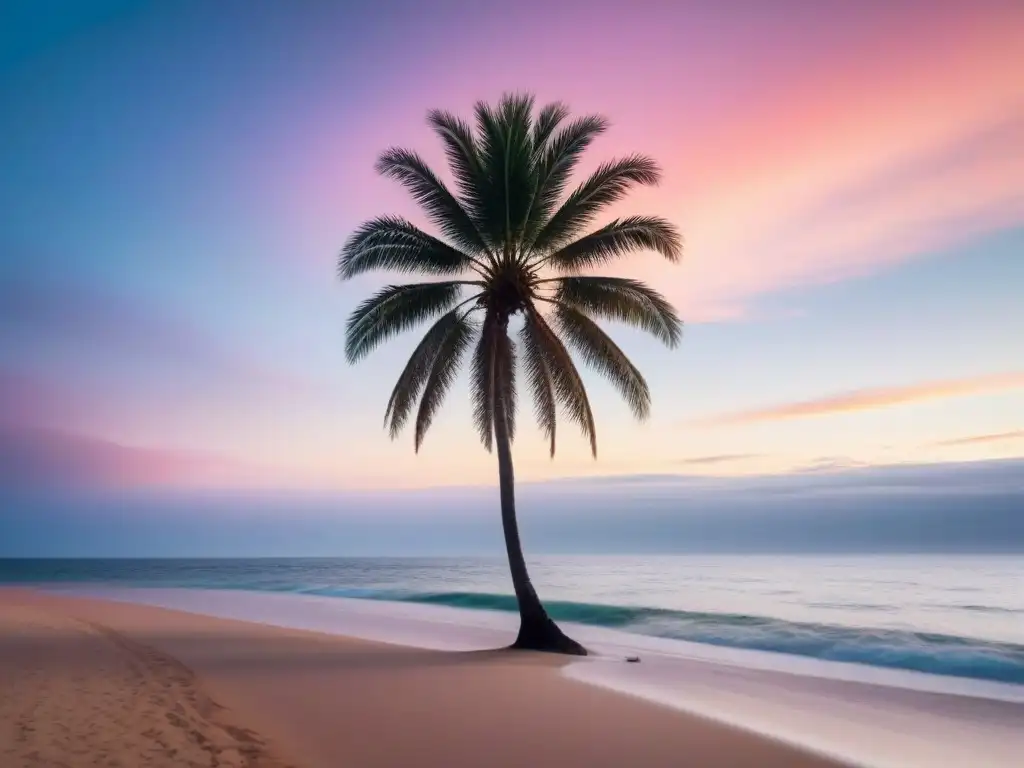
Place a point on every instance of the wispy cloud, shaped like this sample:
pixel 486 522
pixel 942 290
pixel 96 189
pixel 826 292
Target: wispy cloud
pixel 40 458
pixel 29 400
pixel 98 320
pixel 67 318
pixel 909 164
pixel 722 458
pixel 831 464
pixel 39 450
pixel 871 399
pixel 998 437
pixel 823 475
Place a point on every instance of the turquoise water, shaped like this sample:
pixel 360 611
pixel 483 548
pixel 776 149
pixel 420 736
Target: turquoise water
pixel 947 615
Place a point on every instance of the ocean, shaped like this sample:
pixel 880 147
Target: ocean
pixel 952 615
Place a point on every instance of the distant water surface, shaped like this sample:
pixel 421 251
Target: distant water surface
pixel 951 615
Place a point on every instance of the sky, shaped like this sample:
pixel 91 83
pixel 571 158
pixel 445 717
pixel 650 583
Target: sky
pixel 178 178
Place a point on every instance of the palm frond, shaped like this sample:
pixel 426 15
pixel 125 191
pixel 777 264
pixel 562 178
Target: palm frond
pixel 538 379
pixel 463 159
pixel 619 298
pixel 622 236
pixel 506 155
pixel 555 164
pixel 417 370
pixel 551 116
pixel 391 242
pixel 394 309
pixel 604 356
pixel 433 196
pixel 566 381
pixel 443 372
pixel 605 186
pixel 506 216
pixel 484 380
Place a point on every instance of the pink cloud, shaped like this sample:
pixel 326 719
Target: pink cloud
pixel 27 400
pixel 52 459
pixel 903 148
pixel 41 446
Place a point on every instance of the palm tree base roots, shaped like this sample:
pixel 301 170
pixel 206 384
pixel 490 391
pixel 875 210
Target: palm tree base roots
pixel 542 634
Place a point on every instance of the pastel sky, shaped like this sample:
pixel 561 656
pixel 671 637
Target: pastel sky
pixel 176 179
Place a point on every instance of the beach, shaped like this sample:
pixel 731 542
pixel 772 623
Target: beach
pixel 87 682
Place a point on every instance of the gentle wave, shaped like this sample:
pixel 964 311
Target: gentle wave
pixel 919 651
pixel 855 624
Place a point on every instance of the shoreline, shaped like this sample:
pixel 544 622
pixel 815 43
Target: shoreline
pixel 441 627
pixel 840 711
pixel 249 694
pixel 938 633
pixel 843 721
pixel 837 710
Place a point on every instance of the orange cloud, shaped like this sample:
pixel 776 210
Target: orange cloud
pixel 872 399
pixel 999 437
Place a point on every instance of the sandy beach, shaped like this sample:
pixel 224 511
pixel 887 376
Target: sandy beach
pixel 95 683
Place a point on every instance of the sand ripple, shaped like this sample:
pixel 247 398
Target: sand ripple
pixel 74 694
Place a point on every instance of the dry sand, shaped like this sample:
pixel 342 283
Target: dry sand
pixel 93 683
pixel 74 693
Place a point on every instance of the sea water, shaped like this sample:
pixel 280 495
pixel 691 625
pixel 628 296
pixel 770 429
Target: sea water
pixel 952 615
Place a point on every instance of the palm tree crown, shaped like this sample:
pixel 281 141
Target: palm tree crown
pixel 512 243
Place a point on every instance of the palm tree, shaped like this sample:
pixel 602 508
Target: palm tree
pixel 513 247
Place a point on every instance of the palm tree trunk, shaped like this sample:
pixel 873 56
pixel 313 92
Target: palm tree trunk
pixel 537 631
